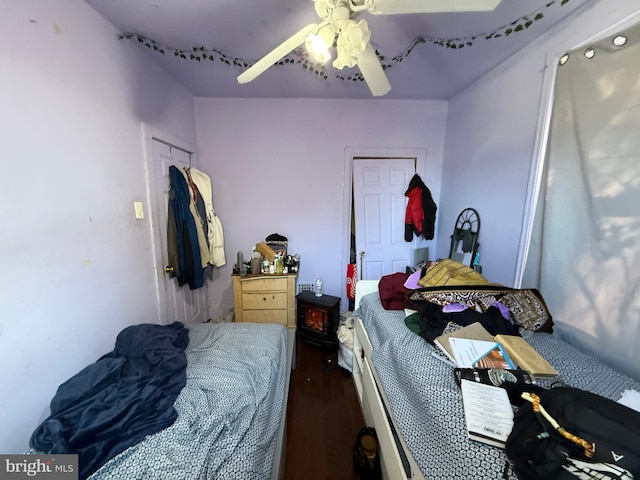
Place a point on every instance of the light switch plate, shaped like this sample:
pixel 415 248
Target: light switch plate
pixel 137 206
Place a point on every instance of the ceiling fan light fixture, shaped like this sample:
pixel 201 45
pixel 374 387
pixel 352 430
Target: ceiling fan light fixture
pixel 352 41
pixel 318 44
pixel 353 38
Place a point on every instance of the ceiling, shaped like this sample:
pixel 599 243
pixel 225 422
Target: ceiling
pixel 245 30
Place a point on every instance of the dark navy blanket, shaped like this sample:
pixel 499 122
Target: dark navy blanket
pixel 120 399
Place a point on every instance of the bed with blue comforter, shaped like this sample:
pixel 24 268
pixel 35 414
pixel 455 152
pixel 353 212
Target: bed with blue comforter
pixel 426 403
pixel 174 402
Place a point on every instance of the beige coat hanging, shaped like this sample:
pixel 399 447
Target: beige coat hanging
pixel 215 233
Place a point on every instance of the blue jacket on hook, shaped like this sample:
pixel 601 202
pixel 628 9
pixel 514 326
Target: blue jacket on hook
pixel 190 268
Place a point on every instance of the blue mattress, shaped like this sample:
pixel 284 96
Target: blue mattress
pixel 426 403
pixel 229 412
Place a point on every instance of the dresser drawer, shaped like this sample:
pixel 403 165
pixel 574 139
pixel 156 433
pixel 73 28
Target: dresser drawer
pixel 265 316
pixel 264 301
pixel 264 284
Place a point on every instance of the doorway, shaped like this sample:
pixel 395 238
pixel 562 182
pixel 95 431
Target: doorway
pixel 379 207
pixel 174 302
pixel 383 175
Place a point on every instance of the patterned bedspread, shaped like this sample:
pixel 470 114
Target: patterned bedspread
pixel 228 412
pixel 427 405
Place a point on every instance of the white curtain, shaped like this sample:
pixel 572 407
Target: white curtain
pixel 585 249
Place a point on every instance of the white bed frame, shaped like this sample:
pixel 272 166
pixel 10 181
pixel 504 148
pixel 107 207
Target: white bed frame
pixel 396 460
pixel 277 472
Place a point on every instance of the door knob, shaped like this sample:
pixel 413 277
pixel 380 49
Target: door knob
pixel 169 269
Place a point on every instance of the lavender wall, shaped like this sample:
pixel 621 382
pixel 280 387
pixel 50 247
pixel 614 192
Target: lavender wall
pixel 488 151
pixel 76 265
pixel 278 166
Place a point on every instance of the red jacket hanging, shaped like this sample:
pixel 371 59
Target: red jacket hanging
pixel 420 216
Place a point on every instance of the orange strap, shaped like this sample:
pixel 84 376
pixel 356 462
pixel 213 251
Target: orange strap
pixel 589 448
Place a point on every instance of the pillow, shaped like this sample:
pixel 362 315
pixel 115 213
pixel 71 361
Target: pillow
pixel 528 309
pixel 450 272
pixel 412 281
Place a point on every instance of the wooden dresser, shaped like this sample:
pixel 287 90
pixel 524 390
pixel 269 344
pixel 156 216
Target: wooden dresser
pixel 265 299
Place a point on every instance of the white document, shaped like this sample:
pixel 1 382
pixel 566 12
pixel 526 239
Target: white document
pixel 468 352
pixel 631 399
pixel 488 413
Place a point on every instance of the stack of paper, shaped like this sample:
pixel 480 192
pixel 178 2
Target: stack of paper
pixel 474 347
pixel 475 331
pixel 470 353
pixel 487 412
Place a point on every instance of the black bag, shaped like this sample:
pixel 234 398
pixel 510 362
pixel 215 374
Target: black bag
pixel 366 455
pixel 538 451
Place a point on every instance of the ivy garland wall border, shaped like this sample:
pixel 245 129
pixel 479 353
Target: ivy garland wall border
pixel 299 56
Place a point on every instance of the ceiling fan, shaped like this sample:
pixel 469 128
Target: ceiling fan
pixel 352 38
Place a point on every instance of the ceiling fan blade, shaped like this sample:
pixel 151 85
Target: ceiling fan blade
pixel 372 72
pixel 277 53
pixel 392 7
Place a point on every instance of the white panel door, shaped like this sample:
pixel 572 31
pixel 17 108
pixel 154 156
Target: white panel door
pixel 379 207
pixel 179 303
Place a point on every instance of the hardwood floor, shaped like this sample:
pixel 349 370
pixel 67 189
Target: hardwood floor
pixel 323 417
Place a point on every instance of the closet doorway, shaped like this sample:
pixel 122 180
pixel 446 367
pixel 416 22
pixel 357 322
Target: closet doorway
pixel 379 207
pixel 374 210
pixel 174 302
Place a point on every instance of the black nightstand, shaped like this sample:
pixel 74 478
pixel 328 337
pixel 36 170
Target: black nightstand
pixel 317 319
